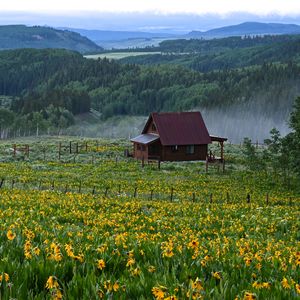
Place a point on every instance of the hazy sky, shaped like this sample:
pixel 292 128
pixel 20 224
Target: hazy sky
pixel 263 7
pixel 172 16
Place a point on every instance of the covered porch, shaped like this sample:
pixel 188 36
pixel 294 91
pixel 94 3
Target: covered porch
pixel 212 158
pixel 146 146
pixel 221 141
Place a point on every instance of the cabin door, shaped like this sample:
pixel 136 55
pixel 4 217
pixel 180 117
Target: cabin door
pixel 154 149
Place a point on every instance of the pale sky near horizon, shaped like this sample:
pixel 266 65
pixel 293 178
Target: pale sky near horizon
pixel 261 7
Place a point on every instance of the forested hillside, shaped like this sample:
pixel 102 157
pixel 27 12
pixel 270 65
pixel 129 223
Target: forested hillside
pixel 20 36
pixel 226 53
pixel 44 89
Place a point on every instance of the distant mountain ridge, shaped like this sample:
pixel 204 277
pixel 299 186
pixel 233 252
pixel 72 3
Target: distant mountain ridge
pixel 130 39
pixel 109 35
pixel 39 37
pixel 247 28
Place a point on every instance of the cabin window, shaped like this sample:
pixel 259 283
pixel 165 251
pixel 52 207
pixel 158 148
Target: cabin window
pixel 174 148
pixel 153 127
pixel 138 147
pixel 190 149
pixel 143 147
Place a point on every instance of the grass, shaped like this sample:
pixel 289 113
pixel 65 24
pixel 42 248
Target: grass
pixel 109 228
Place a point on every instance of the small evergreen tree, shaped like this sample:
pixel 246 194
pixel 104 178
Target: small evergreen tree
pixel 292 140
pixel 252 158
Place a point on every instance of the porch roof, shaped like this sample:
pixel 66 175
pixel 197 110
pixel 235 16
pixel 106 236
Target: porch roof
pixel 215 138
pixel 145 138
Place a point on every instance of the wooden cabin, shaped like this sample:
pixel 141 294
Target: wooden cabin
pixel 179 136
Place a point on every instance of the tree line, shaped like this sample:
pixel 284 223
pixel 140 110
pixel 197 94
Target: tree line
pixel 282 155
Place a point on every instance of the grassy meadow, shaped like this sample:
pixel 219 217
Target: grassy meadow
pixel 118 55
pixel 97 225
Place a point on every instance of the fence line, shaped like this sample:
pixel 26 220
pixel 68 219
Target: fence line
pixel 107 192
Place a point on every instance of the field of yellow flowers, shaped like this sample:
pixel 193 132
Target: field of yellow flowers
pixel 109 229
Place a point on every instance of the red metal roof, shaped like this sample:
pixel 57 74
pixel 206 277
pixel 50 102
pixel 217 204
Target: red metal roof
pixel 182 128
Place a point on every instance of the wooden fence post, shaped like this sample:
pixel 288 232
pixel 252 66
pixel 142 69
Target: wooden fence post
pixel 79 187
pixel 171 196
pixel 70 145
pixel 227 197
pixel 105 193
pixel 193 197
pixel 135 192
pixel 1 183
pixel 267 198
pixel 248 198
pixel 94 190
pixel 44 151
pixel 59 151
pixel 211 198
pixel 151 194
pixel 12 184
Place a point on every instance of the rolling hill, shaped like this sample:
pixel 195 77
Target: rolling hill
pixel 21 36
pixel 247 28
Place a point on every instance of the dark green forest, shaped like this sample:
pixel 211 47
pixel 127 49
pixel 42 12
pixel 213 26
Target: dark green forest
pixel 46 88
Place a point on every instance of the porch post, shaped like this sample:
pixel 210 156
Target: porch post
pixel 222 150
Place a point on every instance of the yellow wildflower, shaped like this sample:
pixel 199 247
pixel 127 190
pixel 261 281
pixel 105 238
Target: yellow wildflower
pixel 285 283
pixel 116 286
pixel 10 235
pixel 151 269
pixel 173 297
pixel 217 275
pixel 193 244
pixel 58 295
pixel 197 285
pixel 52 283
pixel 108 285
pixel 168 252
pixel 266 285
pixel 6 277
pixel 249 296
pixel 136 272
pixel 37 251
pixel 101 264
pixel 247 261
pixel 158 293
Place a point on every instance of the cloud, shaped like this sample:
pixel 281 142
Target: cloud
pixel 262 7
